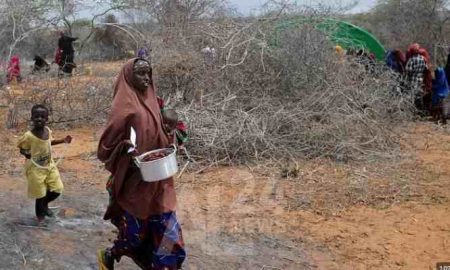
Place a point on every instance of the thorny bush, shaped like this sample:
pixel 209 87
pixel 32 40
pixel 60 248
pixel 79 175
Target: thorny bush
pixel 252 98
pixel 294 100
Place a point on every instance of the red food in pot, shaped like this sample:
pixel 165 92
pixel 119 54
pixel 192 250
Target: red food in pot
pixel 155 156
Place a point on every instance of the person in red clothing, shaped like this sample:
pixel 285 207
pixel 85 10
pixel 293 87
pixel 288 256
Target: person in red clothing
pixel 13 72
pixel 58 56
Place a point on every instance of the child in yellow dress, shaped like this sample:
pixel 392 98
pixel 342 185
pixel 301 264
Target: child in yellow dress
pixel 44 181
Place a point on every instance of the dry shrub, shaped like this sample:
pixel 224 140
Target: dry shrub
pixel 178 72
pixel 294 100
pixel 72 100
pixel 259 101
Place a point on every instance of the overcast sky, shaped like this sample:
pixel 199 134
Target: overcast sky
pixel 247 6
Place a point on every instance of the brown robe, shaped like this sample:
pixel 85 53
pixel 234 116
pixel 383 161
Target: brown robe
pixel 140 110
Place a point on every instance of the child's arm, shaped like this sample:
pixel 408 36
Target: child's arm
pixel 24 145
pixel 67 139
pixel 25 153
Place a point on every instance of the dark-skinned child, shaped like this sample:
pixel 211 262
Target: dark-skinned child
pixel 43 178
pixel 175 128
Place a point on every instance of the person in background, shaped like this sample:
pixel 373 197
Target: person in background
pixel 440 92
pixel 428 76
pixel 65 44
pixel 396 61
pixel 143 53
pixel 413 49
pixel 416 67
pixel 447 67
pixel 58 57
pixel 339 50
pixel 40 64
pixel 13 70
pixel 366 59
pixel 427 81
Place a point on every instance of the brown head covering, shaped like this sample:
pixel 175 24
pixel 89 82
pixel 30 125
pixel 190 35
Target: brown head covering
pixel 140 110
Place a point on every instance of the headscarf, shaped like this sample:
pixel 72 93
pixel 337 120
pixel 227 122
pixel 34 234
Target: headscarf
pixel 440 86
pixel 13 68
pixel 412 50
pixel 140 110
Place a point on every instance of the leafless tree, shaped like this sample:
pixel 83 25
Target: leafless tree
pixel 399 23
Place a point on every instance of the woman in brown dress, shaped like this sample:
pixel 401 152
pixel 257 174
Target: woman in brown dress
pixel 144 212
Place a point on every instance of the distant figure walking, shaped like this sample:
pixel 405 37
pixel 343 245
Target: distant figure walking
pixel 65 45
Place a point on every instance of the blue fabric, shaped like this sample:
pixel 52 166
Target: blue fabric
pixel 143 52
pixel 392 62
pixel 154 243
pixel 440 86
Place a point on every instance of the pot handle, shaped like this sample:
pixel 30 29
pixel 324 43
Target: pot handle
pixel 137 162
pixel 174 146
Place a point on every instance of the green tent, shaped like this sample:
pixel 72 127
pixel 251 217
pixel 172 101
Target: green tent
pixel 344 34
pixel 348 36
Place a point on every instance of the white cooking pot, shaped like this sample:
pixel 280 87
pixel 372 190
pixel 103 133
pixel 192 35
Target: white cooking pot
pixel 158 169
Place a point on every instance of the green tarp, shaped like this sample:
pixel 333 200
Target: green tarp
pixel 344 34
pixel 349 36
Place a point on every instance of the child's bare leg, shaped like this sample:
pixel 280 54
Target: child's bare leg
pixel 51 196
pixel 40 209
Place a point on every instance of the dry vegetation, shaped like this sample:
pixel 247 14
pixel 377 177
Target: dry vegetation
pixel 297 99
pixel 75 100
pixel 263 99
pixel 250 100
